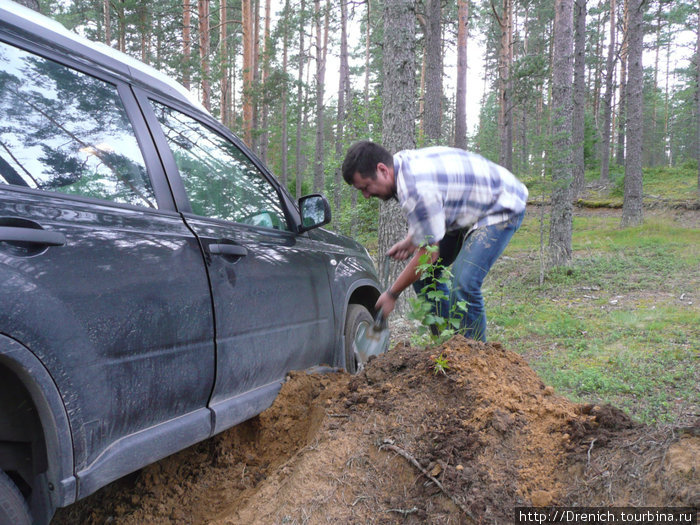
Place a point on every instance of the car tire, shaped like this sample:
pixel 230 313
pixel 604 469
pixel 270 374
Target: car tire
pixel 13 506
pixel 357 316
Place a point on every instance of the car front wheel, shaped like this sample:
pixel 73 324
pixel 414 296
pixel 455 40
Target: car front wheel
pixel 357 318
pixel 13 506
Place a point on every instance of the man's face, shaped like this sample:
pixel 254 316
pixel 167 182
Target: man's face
pixel 382 186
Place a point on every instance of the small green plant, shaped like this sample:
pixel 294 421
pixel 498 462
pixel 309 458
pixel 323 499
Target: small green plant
pixel 440 365
pixel 435 327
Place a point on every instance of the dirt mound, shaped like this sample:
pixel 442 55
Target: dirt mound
pixel 404 442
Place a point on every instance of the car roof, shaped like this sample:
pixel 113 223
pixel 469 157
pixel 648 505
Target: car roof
pixel 36 25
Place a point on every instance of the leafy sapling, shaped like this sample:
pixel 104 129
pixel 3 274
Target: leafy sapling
pixel 425 308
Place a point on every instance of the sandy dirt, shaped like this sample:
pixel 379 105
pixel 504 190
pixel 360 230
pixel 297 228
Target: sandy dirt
pixel 402 443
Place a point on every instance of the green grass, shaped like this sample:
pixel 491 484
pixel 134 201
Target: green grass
pixel 662 185
pixel 614 327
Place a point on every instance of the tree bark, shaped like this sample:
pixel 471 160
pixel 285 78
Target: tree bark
pixel 597 80
pixel 186 42
pixel 256 84
pixel 300 102
pixel 121 26
pixel 579 113
pixel 697 92
pixel 562 212
pixel 622 107
pixel 248 69
pixel 285 97
pixel 264 106
pixel 433 72
pixel 343 95
pixel 398 113
pixel 656 140
pixel 632 210
pixel 204 44
pixel 505 59
pixel 106 7
pixel 460 139
pixel 607 102
pixel 368 42
pixel 225 103
pixel 321 46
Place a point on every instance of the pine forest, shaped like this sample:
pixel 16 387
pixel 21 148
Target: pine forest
pixel 557 90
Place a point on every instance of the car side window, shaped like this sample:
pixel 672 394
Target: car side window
pixel 62 130
pixel 220 180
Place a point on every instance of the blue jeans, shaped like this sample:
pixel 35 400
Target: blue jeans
pixel 472 258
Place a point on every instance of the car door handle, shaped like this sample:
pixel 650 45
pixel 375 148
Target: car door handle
pixel 32 236
pixel 234 250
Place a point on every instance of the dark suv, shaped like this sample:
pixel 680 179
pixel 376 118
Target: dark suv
pixel 157 282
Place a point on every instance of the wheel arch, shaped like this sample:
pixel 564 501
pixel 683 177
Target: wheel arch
pixel 56 487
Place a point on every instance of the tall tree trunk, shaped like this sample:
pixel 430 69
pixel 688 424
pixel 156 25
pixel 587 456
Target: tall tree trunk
pixel 256 93
pixel 607 101
pixel 204 52
pixel 106 8
pixel 321 46
pixel 562 212
pixel 666 105
pixel 285 94
pixel 656 142
pixel 697 92
pixel 223 53
pixel 343 95
pixel 398 112
pixel 622 108
pixel 264 107
pixel 248 69
pixel 186 41
pixel 632 210
pixel 144 32
pixel 433 72
pixel 598 73
pixel 505 59
pixel 579 113
pixel 460 139
pixel 368 48
pixel 300 102
pixel 421 90
pixel 121 26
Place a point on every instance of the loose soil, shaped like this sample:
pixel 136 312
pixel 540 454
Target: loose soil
pixel 404 443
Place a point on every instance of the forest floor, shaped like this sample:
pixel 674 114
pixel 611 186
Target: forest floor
pixel 407 442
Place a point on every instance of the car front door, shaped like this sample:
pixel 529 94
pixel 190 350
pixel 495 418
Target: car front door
pixel 269 285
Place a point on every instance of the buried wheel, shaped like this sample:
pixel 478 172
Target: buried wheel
pixel 358 322
pixel 13 506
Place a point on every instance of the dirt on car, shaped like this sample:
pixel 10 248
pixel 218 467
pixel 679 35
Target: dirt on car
pixel 407 442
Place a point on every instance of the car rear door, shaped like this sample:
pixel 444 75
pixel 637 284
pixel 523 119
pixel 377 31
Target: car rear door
pixel 270 288
pixel 101 278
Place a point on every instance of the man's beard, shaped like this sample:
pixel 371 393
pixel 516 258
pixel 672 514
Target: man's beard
pixel 392 195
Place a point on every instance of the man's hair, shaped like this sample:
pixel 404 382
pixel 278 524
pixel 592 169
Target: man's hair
pixel 363 157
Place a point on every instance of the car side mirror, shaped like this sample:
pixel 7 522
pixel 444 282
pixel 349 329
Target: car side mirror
pixel 315 212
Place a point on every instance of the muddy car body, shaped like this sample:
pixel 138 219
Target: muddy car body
pixel 158 283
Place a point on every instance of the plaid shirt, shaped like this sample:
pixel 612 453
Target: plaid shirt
pixel 442 189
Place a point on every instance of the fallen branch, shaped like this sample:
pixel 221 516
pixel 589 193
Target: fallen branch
pixel 405 512
pixel 589 452
pixel 439 485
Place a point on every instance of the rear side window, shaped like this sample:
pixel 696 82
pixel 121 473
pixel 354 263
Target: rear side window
pixel 65 131
pixel 220 180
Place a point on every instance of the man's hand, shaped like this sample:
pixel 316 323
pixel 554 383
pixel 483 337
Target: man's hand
pixel 402 250
pixel 387 304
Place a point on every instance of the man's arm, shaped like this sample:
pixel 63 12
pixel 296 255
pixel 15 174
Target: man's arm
pixel 409 275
